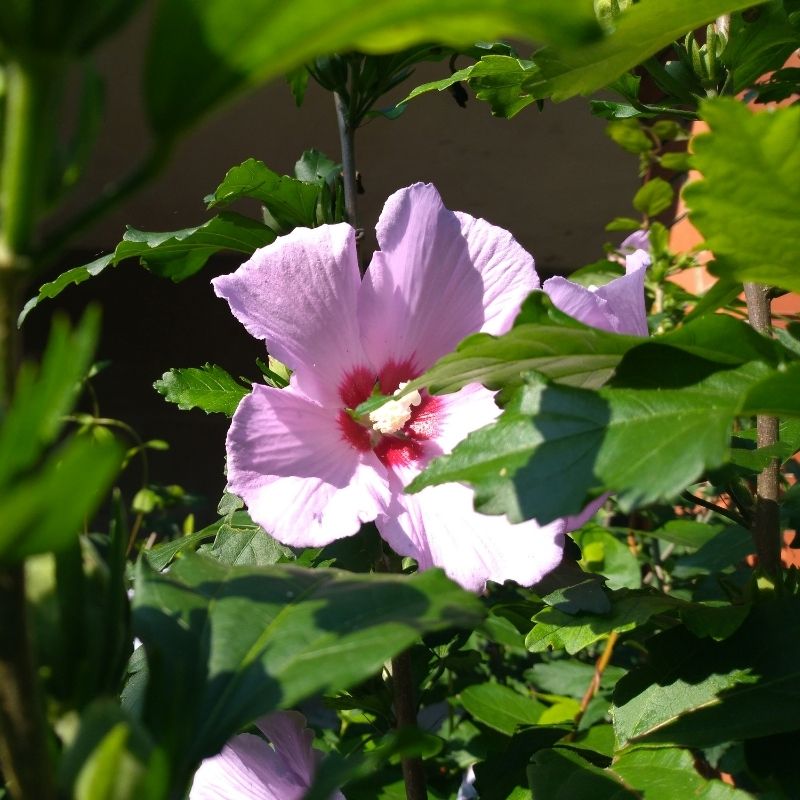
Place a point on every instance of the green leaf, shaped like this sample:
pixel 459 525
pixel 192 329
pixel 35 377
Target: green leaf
pixel 751 179
pixel 665 420
pixel 219 50
pixel 677 162
pixel 561 774
pixel 209 388
pixel 669 773
pixel 542 339
pixel 292 203
pixel 496 79
pixel 226 644
pixel 43 397
pixel 658 774
pixel 697 692
pixel 248 545
pixel 73 480
pixel 604 553
pixel 654 197
pixel 555 446
pixel 621 224
pixel 500 707
pixel 570 677
pixel 761 43
pixel 176 255
pixel 315 167
pixel 639 32
pixel 555 630
pixel 630 136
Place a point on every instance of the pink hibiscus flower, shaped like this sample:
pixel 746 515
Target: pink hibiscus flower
pixel 250 769
pixel 310 473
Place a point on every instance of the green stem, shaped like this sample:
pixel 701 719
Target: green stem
pixel 33 90
pixel 32 101
pixel 766 519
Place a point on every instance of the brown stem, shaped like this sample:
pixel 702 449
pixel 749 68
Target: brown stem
pixel 405 712
pixel 347 141
pixel 23 747
pixel 594 684
pixel 766 519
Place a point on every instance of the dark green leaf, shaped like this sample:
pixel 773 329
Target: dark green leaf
pixel 500 707
pixel 697 692
pixel 496 79
pixel 176 255
pixel 751 179
pixel 555 630
pixel 219 50
pixel 249 546
pixel 45 511
pixel 604 553
pixel 315 167
pixel 226 644
pixel 542 339
pixel 639 32
pixel 760 45
pixel 560 774
pixel 291 202
pixel 556 445
pixel 209 388
pixel 43 397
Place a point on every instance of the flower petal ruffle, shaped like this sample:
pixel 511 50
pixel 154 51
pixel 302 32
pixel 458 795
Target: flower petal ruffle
pixel 438 277
pixel 301 480
pixel 439 527
pixel 299 294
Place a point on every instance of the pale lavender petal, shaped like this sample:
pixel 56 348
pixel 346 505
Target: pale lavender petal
pixel 618 306
pixel 438 527
pixel 299 294
pixel 625 295
pixel 300 478
pixel 293 740
pixel 579 302
pixel 638 240
pixel 438 277
pixel 575 521
pixel 246 769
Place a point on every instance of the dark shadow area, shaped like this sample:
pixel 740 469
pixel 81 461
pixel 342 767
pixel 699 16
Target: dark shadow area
pixel 150 325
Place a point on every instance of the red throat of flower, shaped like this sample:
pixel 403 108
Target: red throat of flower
pixel 400 447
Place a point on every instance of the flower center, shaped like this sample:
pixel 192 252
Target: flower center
pixel 394 414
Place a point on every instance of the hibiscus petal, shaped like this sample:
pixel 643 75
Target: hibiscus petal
pixel 299 294
pixel 438 277
pixel 246 769
pixel 618 306
pixel 438 527
pixel 292 739
pixel 300 478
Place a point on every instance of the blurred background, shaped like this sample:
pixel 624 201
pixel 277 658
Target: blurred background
pixel 552 178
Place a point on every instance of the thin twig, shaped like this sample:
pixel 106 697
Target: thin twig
pixel 766 519
pixel 723 512
pixel 594 684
